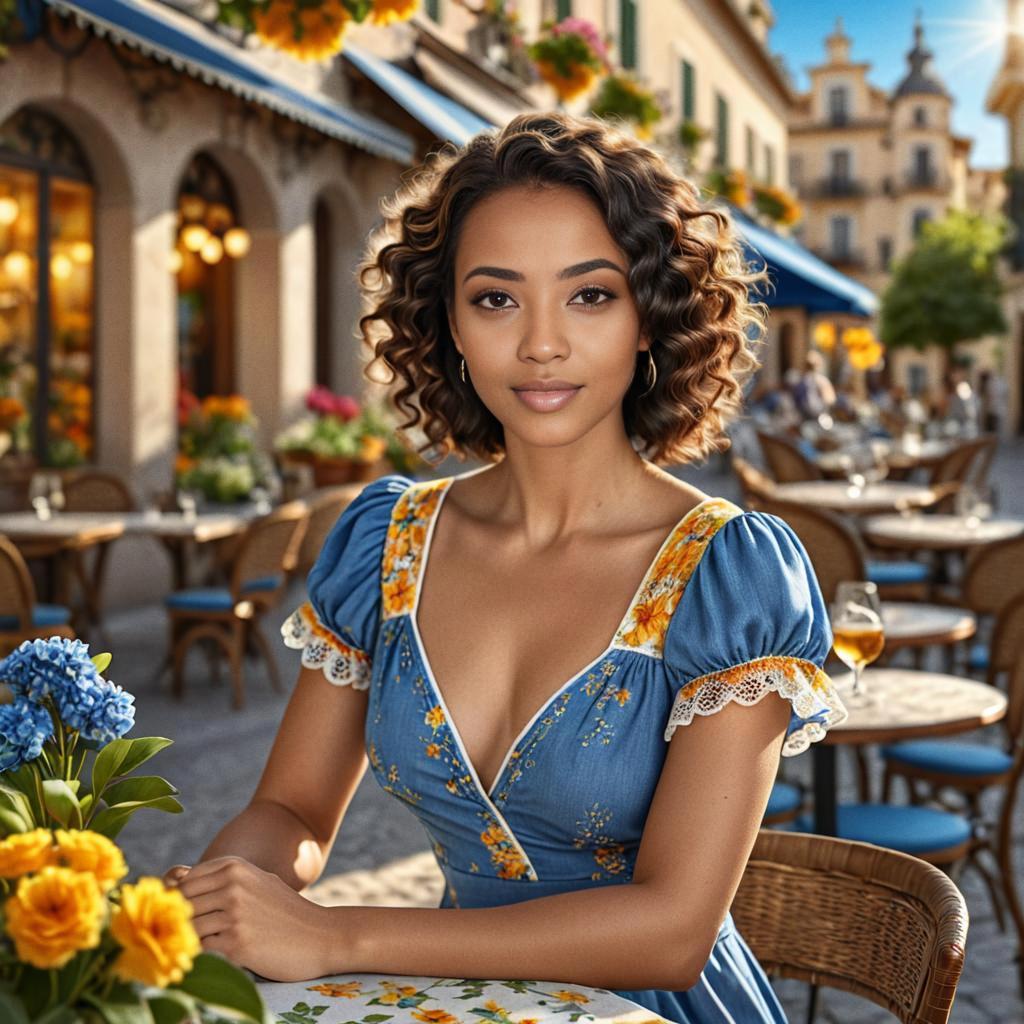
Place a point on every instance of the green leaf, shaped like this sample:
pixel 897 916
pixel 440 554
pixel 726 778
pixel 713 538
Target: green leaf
pixel 59 1015
pixel 123 1007
pixel 218 983
pixel 375 1018
pixel 102 661
pixel 12 822
pixel 110 821
pixel 171 1007
pixel 62 803
pixel 11 1010
pixel 142 789
pixel 108 764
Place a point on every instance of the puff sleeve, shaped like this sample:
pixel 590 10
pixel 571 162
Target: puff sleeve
pixel 751 621
pixel 336 628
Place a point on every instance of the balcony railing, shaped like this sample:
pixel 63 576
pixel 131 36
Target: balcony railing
pixel 838 185
pixel 925 178
pixel 842 257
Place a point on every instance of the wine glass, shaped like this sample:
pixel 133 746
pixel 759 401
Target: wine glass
pixel 973 503
pixel 56 486
pixel 39 495
pixel 857 633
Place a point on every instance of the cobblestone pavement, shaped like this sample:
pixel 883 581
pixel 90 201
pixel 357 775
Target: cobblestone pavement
pixel 381 854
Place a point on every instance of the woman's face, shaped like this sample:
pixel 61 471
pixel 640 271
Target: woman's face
pixel 541 301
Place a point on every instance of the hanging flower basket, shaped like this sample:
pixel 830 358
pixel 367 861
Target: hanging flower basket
pixel 863 350
pixel 569 56
pixel 777 204
pixel 622 97
pixel 729 184
pixel 310 30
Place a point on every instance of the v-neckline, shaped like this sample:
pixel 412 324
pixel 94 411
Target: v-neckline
pixel 421 567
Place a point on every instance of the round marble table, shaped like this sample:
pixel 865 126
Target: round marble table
pixel 399 999
pixel 901 704
pixel 896 456
pixel 937 532
pixel 838 496
pixel 911 624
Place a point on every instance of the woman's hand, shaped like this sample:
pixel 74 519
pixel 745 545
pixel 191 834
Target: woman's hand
pixel 259 922
pixel 173 875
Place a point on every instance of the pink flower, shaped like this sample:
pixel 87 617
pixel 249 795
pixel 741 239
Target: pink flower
pixel 585 29
pixel 320 400
pixel 345 407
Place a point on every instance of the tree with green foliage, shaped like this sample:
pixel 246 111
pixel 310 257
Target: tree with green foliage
pixel 947 289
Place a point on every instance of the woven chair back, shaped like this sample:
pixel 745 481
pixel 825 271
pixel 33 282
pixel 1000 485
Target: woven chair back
pixel 755 485
pixel 785 460
pixel 834 549
pixel 324 510
pixel 856 917
pixel 17 594
pixel 1006 656
pixel 957 466
pixel 994 576
pixel 97 491
pixel 270 546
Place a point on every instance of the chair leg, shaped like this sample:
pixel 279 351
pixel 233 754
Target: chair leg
pixel 992 884
pixel 887 778
pixel 1004 858
pixel 202 631
pixel 264 648
pixel 237 651
pixel 863 775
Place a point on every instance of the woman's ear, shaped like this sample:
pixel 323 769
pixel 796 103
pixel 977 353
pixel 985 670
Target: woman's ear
pixel 643 344
pixel 454 330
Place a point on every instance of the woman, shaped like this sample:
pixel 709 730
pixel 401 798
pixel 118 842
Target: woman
pixel 556 301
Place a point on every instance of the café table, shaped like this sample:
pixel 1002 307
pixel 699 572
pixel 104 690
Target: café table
pixel 901 704
pixel 937 532
pixel 897 456
pixel 839 496
pixel 402 999
pixel 915 624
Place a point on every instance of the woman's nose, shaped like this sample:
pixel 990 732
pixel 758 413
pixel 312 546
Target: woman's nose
pixel 543 339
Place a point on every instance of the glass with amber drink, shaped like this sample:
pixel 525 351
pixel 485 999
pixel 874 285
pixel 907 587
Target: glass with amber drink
pixel 857 633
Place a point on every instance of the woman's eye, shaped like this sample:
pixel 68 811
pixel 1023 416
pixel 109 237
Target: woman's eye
pixel 592 296
pixel 500 299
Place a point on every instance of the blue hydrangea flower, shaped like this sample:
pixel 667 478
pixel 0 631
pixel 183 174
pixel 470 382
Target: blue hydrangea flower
pixel 111 716
pixel 24 728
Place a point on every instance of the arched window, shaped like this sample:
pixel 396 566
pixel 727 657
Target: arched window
pixel 47 293
pixel 209 240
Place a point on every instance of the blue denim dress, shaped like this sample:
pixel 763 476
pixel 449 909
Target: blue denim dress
pixel 729 610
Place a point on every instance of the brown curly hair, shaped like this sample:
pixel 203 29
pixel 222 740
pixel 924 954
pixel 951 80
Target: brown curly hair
pixel 687 274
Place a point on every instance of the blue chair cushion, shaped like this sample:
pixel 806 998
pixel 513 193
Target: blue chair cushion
pixel 784 799
pixel 43 615
pixel 913 830
pixel 217 599
pixel 954 758
pixel 977 657
pixel 884 573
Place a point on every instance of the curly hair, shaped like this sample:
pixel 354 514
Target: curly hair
pixel 695 294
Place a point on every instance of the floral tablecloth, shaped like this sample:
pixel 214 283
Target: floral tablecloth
pixel 384 999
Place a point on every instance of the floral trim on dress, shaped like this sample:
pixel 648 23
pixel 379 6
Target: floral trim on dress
pixel 801 682
pixel 321 648
pixel 645 625
pixel 404 545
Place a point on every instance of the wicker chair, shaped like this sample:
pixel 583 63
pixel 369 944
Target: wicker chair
pixel 324 509
pixel 855 917
pixel 230 616
pixel 21 617
pixel 755 485
pixel 785 460
pixel 968 462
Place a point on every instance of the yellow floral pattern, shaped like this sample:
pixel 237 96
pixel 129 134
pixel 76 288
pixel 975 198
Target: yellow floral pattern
pixel 610 856
pixel 322 648
pixel 646 623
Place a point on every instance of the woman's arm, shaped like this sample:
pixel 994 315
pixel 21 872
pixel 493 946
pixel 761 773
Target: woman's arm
pixel 655 932
pixel 311 775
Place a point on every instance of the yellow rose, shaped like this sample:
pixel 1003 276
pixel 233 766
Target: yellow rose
pixel 53 915
pixel 93 854
pixel 21 854
pixel 154 925
pixel 386 11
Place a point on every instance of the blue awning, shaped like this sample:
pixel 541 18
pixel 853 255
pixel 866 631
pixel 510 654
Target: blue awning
pixel 438 113
pixel 189 46
pixel 799 278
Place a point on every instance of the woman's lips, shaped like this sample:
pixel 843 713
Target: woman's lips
pixel 546 401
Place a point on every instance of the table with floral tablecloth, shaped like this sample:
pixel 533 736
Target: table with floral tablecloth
pixel 396 999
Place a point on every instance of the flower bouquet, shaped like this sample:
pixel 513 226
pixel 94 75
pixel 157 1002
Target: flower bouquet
pixel 569 56
pixel 78 945
pixel 345 441
pixel 623 98
pixel 217 453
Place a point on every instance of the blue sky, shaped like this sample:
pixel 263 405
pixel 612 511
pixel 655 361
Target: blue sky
pixel 965 36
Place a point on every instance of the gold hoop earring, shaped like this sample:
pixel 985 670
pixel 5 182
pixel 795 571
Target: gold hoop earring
pixel 462 370
pixel 652 374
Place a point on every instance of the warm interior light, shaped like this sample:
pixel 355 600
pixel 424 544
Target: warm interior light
pixel 61 267
pixel 174 261
pixel 194 237
pixel 213 250
pixel 219 217
pixel 81 252
pixel 17 265
pixel 192 207
pixel 237 242
pixel 8 210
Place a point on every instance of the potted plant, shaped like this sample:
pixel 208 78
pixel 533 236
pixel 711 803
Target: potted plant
pixel 623 98
pixel 345 441
pixel 730 184
pixel 569 55
pixel 776 204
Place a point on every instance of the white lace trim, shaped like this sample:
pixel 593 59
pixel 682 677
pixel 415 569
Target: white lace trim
pixel 342 665
pixel 802 683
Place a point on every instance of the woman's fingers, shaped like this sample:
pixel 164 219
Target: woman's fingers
pixel 208 925
pixel 174 875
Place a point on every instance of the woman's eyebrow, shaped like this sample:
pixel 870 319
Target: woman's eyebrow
pixel 574 271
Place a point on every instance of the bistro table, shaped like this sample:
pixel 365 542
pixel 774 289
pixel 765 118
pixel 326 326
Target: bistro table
pixel 400 999
pixel 897 456
pixel 839 496
pixel 913 624
pixel 901 704
pixel 937 532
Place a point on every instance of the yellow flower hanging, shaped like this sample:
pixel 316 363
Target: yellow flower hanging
pixel 310 33
pixel 824 336
pixel 387 11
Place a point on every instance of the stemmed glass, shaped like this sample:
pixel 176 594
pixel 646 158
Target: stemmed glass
pixel 39 495
pixel 857 633
pixel 973 503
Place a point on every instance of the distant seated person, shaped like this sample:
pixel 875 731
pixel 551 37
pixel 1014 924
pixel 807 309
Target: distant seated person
pixel 814 393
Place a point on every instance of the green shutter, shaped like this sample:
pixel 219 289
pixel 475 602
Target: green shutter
pixel 563 9
pixel 689 97
pixel 433 8
pixel 721 131
pixel 769 165
pixel 751 153
pixel 627 33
